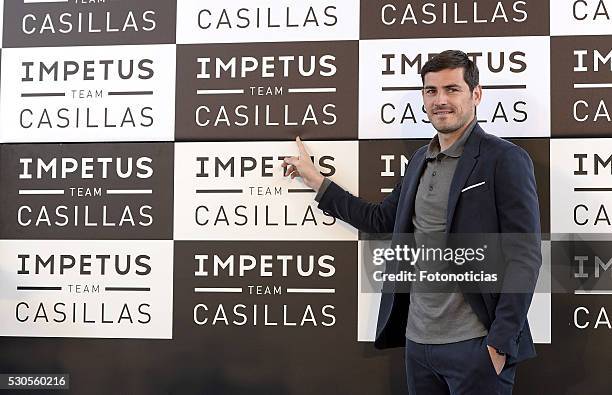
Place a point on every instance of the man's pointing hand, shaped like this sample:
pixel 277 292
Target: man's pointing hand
pixel 302 166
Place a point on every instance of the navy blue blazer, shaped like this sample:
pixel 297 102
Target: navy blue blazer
pixel 506 203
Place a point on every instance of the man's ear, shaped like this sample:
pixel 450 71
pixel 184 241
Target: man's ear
pixel 477 94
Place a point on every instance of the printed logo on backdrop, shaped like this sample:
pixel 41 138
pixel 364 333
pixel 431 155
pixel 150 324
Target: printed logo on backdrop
pixel 266 21
pixel 237 191
pixel 581 104
pixel 462 18
pixel 581 17
pixel 287 288
pixel 112 289
pixel 84 94
pixel 271 91
pixel 581 181
pixel 120 191
pixel 44 23
pixel 382 164
pixel 513 72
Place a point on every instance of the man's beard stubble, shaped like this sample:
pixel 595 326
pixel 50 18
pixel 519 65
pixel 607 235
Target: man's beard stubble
pixel 458 125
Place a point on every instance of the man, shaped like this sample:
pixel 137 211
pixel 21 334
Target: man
pixel 463 181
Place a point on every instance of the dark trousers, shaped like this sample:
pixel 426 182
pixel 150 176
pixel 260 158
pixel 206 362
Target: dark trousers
pixel 462 368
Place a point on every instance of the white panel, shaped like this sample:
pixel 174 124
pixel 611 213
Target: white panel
pixel 368 303
pixel 506 112
pixel 88 110
pixel 539 314
pixel 580 17
pixel 266 21
pixel 103 313
pixel 264 206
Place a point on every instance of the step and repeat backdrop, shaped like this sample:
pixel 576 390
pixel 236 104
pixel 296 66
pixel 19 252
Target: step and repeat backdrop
pixel 149 242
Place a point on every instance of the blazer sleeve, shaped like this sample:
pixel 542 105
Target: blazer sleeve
pixel 519 220
pixel 365 216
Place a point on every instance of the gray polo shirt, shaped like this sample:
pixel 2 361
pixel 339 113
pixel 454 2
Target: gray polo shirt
pixel 438 313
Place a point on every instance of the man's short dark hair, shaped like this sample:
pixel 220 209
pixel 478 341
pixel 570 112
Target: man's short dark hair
pixel 453 59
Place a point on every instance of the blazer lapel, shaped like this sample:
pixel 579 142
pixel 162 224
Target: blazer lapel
pixel 406 204
pixel 466 164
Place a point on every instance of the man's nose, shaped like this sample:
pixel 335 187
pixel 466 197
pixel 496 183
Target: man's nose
pixel 441 98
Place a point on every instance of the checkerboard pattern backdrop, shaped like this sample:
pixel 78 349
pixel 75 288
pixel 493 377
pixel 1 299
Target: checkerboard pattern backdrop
pixel 149 242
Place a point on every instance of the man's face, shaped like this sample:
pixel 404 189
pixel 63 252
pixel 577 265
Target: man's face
pixel 448 101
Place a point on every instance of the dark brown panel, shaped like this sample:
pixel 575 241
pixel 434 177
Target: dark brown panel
pixel 89 206
pixel 267 109
pixel 89 23
pixel 459 18
pixel 381 165
pixel 578 111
